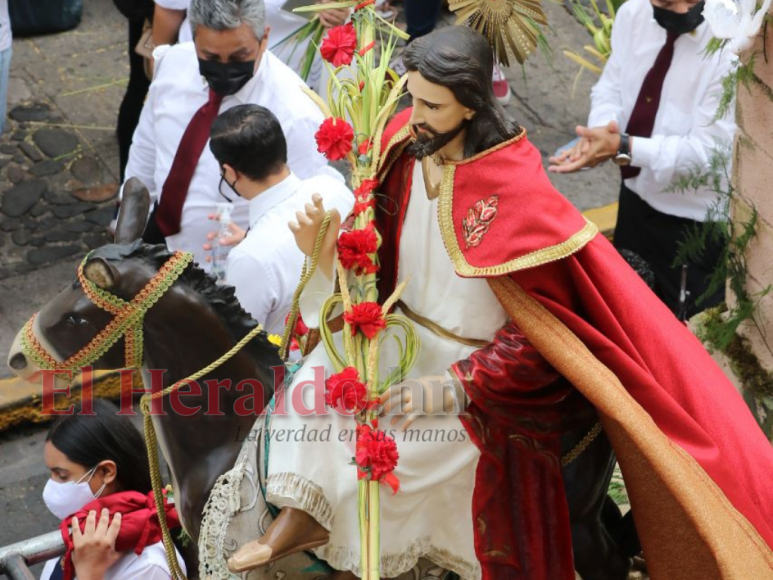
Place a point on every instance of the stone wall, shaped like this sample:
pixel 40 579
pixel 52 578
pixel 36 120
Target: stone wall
pixel 753 178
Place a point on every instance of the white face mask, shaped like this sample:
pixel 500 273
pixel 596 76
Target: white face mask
pixel 65 498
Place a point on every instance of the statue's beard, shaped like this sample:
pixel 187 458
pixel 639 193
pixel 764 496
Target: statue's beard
pixel 431 141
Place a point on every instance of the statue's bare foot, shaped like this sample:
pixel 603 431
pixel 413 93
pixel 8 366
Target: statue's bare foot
pixel 292 531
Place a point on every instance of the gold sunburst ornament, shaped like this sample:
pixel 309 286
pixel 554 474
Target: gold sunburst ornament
pixel 511 26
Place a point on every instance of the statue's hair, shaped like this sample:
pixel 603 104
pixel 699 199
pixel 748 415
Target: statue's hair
pixel 228 15
pixel 461 60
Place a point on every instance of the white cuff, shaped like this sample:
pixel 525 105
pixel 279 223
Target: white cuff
pixel 645 150
pixel 601 118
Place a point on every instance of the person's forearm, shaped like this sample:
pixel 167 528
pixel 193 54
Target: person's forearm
pixel 166 25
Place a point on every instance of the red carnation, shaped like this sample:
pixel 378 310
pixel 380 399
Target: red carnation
pixel 339 45
pixel 345 392
pixel 334 139
pixel 376 456
pixel 353 250
pixel 367 318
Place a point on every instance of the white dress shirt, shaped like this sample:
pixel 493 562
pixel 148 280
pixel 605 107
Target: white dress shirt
pixel 265 267
pixel 151 564
pixel 176 93
pixel 685 134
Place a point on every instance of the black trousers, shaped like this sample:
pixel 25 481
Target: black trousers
pixel 134 99
pixel 655 237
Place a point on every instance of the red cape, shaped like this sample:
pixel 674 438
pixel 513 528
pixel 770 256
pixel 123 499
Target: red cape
pixel 546 246
pixel 139 523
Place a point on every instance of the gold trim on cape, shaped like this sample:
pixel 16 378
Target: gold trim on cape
pixel 536 258
pixel 489 151
pixel 389 155
pixel 688 527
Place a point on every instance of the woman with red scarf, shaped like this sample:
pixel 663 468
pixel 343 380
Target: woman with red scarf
pixel 100 488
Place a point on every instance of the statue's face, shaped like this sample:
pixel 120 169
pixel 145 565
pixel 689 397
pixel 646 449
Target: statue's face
pixel 437 117
pixel 435 107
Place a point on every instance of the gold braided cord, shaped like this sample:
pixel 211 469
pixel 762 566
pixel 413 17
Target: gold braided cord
pixel 97 347
pixel 511 26
pixel 584 443
pixel 306 275
pixel 152 445
pixel 128 320
pixel 158 497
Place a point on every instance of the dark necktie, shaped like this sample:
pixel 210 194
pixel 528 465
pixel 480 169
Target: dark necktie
pixel 642 118
pixel 175 190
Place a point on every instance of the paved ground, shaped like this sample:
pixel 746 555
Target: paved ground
pixel 59 171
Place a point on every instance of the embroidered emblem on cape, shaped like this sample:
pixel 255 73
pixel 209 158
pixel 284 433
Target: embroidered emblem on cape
pixel 478 220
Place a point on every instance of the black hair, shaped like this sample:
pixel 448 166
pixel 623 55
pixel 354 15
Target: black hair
pixel 89 439
pixel 461 60
pixel 249 138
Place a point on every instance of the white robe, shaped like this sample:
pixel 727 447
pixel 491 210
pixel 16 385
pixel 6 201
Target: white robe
pixel 431 515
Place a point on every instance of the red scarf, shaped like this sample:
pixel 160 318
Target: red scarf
pixel 139 523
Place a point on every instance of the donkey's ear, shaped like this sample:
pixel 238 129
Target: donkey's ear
pixel 135 205
pixel 101 272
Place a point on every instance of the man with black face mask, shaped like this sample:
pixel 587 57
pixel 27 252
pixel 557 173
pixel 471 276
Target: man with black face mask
pixel 226 65
pixel 653 114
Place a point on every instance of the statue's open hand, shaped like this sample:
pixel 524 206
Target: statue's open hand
pixel 414 398
pixel 306 229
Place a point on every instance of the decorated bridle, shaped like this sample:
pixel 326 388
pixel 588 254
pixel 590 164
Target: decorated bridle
pixel 127 322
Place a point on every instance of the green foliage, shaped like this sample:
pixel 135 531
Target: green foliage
pixel 184 538
pixel 743 74
pixel 755 379
pixel 715 45
pixel 731 268
pixel 598 23
pixel 617 489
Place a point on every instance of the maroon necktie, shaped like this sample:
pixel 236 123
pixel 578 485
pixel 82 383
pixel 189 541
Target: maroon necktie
pixel 175 190
pixel 642 118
